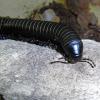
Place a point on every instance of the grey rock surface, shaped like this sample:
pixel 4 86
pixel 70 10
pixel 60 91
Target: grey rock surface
pixel 26 73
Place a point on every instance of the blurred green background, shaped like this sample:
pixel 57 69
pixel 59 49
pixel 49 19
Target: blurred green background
pixel 96 10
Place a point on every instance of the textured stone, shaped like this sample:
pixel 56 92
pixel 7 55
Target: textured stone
pixel 26 73
pixel 20 8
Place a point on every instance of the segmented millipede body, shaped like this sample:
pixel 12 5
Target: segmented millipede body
pixel 44 30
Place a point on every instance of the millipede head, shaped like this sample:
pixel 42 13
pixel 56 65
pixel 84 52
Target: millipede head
pixel 74 51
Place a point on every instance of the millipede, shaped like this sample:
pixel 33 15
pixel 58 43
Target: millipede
pixel 44 30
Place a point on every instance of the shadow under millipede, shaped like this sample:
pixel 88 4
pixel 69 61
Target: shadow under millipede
pixel 1 97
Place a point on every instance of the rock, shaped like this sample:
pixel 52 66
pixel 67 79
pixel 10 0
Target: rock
pixel 26 73
pixel 50 15
pixel 20 8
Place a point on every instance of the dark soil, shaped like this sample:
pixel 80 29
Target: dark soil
pixel 69 18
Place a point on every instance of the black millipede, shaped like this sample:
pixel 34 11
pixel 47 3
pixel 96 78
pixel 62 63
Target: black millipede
pixel 45 30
